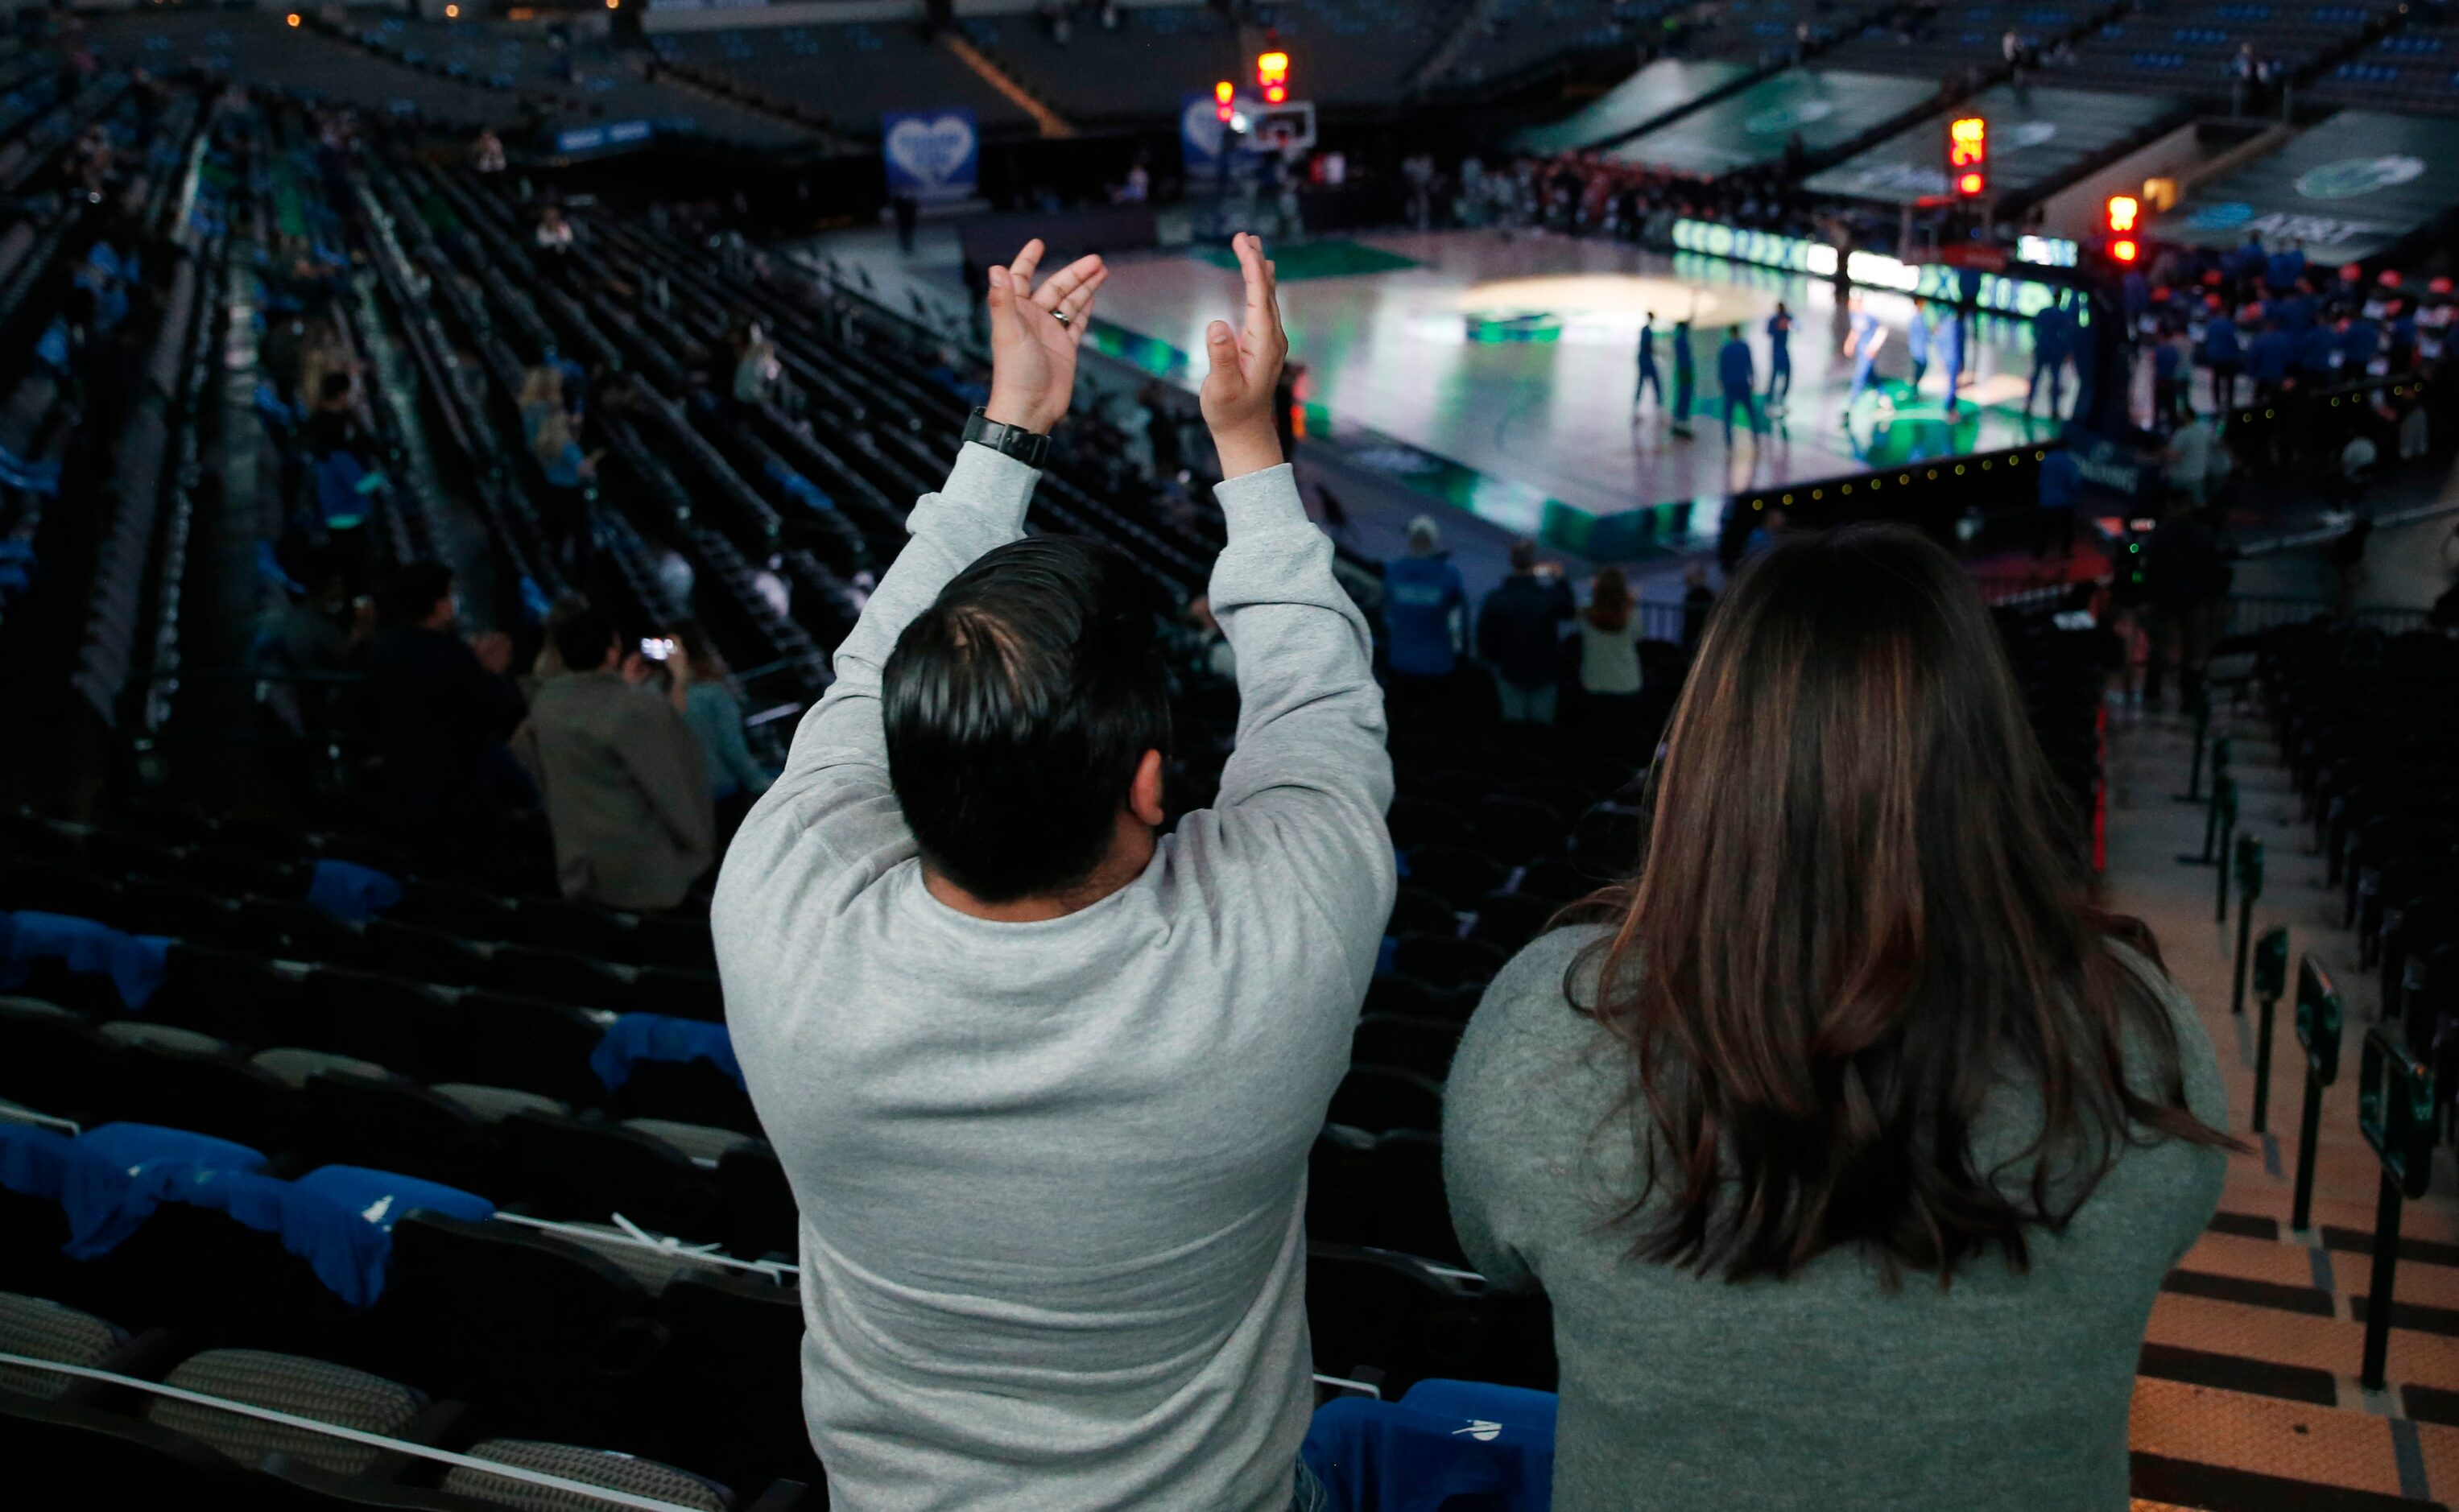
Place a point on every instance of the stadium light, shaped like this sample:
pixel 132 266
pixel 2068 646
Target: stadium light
pixel 1224 96
pixel 1273 76
pixel 294 18
pixel 1968 156
pixel 2122 213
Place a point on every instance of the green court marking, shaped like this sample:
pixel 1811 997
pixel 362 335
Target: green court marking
pixel 1300 261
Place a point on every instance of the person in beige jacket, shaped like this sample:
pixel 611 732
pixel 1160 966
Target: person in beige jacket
pixel 626 792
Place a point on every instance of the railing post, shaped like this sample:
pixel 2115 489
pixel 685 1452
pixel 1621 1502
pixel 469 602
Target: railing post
pixel 2220 779
pixel 2202 711
pixel 2395 1114
pixel 2270 985
pixel 2318 1030
pixel 2224 800
pixel 2249 889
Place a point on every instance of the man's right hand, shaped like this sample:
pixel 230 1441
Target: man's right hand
pixel 1237 395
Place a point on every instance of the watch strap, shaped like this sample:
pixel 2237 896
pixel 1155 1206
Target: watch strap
pixel 1028 446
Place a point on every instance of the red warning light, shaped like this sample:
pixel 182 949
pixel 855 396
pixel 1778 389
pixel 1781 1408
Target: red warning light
pixel 1224 97
pixel 2124 210
pixel 1273 76
pixel 1967 155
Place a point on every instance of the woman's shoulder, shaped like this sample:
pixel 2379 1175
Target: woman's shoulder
pixel 1528 1024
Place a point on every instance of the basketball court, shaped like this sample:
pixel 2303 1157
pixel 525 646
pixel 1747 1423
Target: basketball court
pixel 1494 371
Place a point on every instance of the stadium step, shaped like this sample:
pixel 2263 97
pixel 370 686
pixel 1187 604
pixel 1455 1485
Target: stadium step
pixel 2246 1396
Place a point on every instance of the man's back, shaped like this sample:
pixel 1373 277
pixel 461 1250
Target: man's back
pixel 1049 1142
pixel 1420 594
pixel 1520 629
pixel 626 790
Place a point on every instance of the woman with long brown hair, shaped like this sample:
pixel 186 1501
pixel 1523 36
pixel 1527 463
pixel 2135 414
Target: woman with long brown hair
pixel 1852 1147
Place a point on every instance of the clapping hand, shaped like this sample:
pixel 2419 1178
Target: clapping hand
pixel 1034 337
pixel 1237 395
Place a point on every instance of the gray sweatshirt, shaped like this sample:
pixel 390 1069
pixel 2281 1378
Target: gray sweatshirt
pixel 1052 1174
pixel 1823 1391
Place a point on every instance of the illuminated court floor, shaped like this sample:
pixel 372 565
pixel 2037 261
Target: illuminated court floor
pixel 1495 371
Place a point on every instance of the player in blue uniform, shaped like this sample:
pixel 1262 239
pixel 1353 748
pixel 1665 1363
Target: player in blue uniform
pixel 1686 377
pixel 1648 376
pixel 1734 375
pixel 1779 332
pixel 1863 345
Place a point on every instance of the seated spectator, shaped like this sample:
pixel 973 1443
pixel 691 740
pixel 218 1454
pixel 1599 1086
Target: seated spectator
pixel 563 506
pixel 554 234
pixel 756 365
pixel 1853 1143
pixel 344 463
pixel 626 791
pixel 1520 635
pixel 715 714
pixel 1697 599
pixel 439 708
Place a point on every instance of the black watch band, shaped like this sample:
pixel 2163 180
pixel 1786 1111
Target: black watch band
pixel 1027 446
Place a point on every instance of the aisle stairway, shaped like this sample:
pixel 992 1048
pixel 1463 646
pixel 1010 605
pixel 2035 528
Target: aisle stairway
pixel 2247 1397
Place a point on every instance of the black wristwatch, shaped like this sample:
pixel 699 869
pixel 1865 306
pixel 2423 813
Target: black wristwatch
pixel 1027 446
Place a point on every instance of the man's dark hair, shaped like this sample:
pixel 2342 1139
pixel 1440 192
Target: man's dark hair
pixel 1016 709
pixel 417 590
pixel 335 389
pixel 583 639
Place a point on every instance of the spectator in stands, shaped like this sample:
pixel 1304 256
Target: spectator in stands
pixel 1423 604
pixel 1609 635
pixel 2061 486
pixel 715 714
pixel 343 460
pixel 1698 599
pixel 2192 455
pixel 554 234
pixel 2185 593
pixel 487 155
pixel 1854 1031
pixel 563 504
pixel 439 708
pixel 1519 634
pixel 756 364
pixel 627 795
pixel 1043 1077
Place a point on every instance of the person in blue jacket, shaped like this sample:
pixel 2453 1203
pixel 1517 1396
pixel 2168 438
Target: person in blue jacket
pixel 2269 361
pixel 1861 343
pixel 2317 353
pixel 2224 355
pixel 1648 376
pixel 1950 340
pixel 1916 344
pixel 2053 338
pixel 1424 604
pixel 1686 377
pixel 2284 269
pixel 1780 333
pixel 1734 375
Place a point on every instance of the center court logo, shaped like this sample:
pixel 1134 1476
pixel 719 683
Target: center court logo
pixel 2351 176
pixel 1785 117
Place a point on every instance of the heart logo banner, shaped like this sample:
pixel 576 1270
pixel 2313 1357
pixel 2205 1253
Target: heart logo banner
pixel 931 155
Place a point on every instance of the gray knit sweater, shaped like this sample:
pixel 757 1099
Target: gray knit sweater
pixel 1823 1391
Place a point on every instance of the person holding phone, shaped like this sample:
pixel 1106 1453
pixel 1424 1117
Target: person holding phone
pixel 1043 1068
pixel 625 788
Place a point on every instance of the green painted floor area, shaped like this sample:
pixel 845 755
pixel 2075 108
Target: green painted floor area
pixel 1300 261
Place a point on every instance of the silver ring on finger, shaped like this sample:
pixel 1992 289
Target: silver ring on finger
pixel 1063 317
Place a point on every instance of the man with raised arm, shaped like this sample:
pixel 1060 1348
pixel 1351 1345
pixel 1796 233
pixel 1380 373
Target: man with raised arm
pixel 1044 1076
